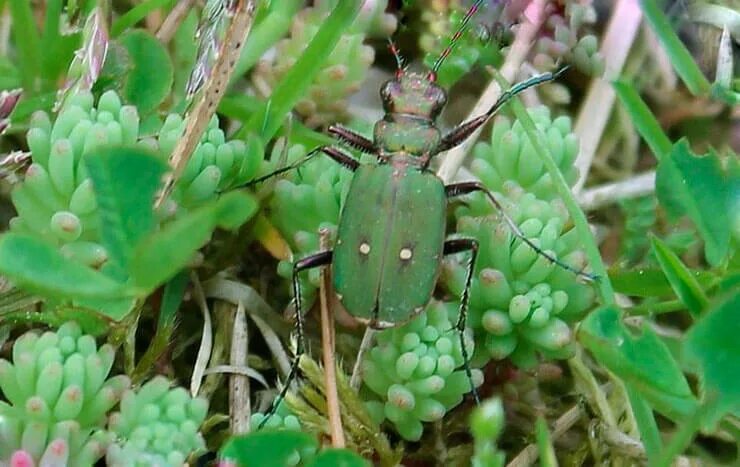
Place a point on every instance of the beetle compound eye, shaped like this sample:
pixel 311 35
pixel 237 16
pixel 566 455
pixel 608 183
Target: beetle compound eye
pixel 432 77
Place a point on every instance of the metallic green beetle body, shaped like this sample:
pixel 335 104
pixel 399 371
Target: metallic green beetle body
pixel 389 244
pixel 391 236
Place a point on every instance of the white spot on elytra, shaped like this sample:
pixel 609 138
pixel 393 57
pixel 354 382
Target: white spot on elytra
pixel 364 248
pixel 405 253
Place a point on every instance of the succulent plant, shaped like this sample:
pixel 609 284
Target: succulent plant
pixel 415 370
pixel 509 156
pixel 58 398
pixel 156 426
pixel 563 37
pixel 486 425
pixel 325 101
pixel 281 419
pixel 56 200
pixel 521 302
pixel 215 165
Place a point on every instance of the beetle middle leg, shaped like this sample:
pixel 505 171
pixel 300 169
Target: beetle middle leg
pixel 339 156
pixel 464 188
pixel 309 262
pixel 451 247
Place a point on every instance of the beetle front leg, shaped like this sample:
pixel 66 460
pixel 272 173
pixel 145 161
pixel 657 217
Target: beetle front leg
pixel 353 139
pixel 461 132
pixel 314 261
pixel 464 188
pixel 451 247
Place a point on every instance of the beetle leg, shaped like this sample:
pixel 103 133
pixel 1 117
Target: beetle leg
pixel 353 139
pixel 337 155
pixel 464 188
pixel 451 247
pixel 309 262
pixel 461 132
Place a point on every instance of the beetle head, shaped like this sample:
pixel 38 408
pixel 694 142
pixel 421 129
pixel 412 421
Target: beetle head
pixel 414 94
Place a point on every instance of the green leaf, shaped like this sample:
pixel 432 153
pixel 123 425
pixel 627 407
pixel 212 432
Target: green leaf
pixel 160 256
pixel 149 80
pixel 267 447
pixel 713 342
pixel 697 187
pixel 642 361
pixel 124 180
pixel 295 83
pixel 39 267
pixel 544 444
pixel 643 119
pixel 684 284
pixel 338 458
pixel 27 43
pixel 9 78
pixel 652 282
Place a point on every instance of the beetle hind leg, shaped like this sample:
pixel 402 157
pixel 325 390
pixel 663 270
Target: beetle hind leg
pixel 314 261
pixel 452 247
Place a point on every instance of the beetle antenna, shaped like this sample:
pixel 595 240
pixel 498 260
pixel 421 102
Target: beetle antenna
pixel 396 54
pixel 455 37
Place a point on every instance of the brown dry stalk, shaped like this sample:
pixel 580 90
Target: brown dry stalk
pixel 327 343
pixel 213 90
pixel 239 407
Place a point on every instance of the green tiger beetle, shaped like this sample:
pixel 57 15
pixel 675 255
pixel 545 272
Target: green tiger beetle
pixel 391 236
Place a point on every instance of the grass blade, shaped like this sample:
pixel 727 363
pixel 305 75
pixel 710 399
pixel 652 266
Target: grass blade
pixel 267 121
pixel 643 119
pixel 682 61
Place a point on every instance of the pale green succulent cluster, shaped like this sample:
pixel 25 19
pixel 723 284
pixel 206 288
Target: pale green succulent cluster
pixel 156 426
pixel 416 370
pixel 564 38
pixel 509 155
pixel 521 303
pixel 486 425
pixel 215 165
pixel 282 419
pixel 325 101
pixel 56 200
pixel 58 398
pixel 58 404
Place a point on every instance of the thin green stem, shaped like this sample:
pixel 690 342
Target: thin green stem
pixel 643 119
pixel 681 58
pixel 656 308
pixel 646 424
pixel 606 291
